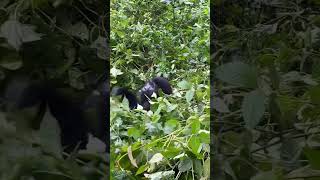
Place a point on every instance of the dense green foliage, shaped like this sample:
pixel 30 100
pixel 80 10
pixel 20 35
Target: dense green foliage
pixel 266 91
pixel 153 38
pixel 60 40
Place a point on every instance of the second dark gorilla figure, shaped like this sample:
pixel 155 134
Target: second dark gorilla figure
pixel 77 112
pixel 145 92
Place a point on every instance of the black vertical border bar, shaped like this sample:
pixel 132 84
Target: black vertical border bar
pixel 215 19
pixel 211 64
pixel 106 25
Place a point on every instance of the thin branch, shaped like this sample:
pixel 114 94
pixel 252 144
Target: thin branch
pixel 87 8
pixel 62 30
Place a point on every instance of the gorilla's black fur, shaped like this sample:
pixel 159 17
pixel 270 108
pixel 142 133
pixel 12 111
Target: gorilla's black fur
pixel 77 112
pixel 145 92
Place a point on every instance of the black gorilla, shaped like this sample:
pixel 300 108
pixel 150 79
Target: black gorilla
pixel 77 112
pixel 145 92
pixel 120 91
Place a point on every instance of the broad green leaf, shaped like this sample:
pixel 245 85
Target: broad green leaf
pixel 102 47
pixel 171 152
pixel 204 137
pixel 219 105
pixel 184 85
pixel 253 108
pixel 17 33
pixel 50 134
pixel 75 78
pixel 189 95
pixel 142 169
pixel 185 165
pixel 195 144
pixel 238 74
pixel 95 145
pixel 115 72
pixel 125 103
pixel 198 167
pixel 134 132
pixel 195 126
pixel 171 125
pixel 79 30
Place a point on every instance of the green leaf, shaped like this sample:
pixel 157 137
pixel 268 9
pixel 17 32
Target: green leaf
pixel 115 72
pixel 238 74
pixel 17 33
pixel 102 47
pixel 142 169
pixel 219 105
pixel 50 134
pixel 79 30
pixel 75 79
pixel 195 144
pixel 198 167
pixel 171 125
pixel 184 85
pixel 95 145
pixel 185 165
pixel 189 95
pixel 204 137
pixel 134 132
pixel 253 108
pixel 195 126
pixel 171 152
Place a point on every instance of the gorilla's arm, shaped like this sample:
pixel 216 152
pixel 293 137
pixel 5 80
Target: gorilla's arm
pixel 65 105
pixel 120 91
pixel 163 84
